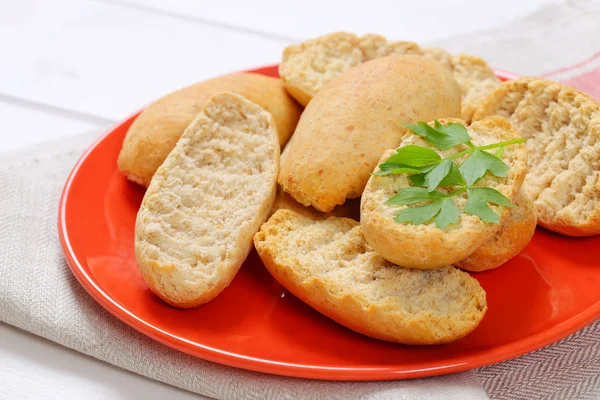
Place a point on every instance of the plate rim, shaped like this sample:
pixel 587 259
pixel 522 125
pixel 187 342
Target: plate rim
pixel 416 370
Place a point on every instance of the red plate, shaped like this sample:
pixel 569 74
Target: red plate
pixel 547 292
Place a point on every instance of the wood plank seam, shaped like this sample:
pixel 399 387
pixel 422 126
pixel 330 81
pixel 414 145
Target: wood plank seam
pixel 56 110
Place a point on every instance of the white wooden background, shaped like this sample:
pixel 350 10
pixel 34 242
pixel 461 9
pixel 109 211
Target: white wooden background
pixel 71 66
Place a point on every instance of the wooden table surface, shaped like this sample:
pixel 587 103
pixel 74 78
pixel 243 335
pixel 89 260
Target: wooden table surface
pixel 72 66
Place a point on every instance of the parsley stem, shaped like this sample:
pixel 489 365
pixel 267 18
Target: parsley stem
pixel 456 192
pixel 502 144
pixel 462 153
pixel 486 147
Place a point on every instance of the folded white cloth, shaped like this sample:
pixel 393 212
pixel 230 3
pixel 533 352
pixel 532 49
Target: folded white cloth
pixel 39 294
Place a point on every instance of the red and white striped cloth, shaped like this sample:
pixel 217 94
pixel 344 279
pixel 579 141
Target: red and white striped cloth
pixel 559 42
pixel 584 75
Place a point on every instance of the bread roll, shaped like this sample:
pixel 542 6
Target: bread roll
pixel 155 131
pixel 328 265
pixel 195 225
pixel 354 119
pixel 562 128
pixel 514 235
pixel 307 67
pixel 426 246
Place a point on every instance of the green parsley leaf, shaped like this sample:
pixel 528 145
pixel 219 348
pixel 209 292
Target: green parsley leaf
pixel 440 140
pixel 477 203
pixel 436 175
pixel 423 169
pixel 395 171
pixel 478 207
pixel 427 171
pixel 479 163
pixel 454 177
pixel 418 215
pixel 492 196
pixel 458 131
pixel 434 137
pixel 417 179
pixel 448 214
pixel 411 195
pixel 414 156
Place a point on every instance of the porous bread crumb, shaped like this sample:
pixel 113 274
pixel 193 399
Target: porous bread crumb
pixel 306 67
pixel 425 245
pixel 329 265
pixel 195 225
pixel 562 128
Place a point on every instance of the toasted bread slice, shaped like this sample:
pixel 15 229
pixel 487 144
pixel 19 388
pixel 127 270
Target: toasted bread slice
pixel 328 265
pixel 307 67
pixel 562 128
pixel 154 133
pixel 514 235
pixel 427 246
pixel 195 225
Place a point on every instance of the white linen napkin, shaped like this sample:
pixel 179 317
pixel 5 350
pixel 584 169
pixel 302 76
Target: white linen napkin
pixel 39 294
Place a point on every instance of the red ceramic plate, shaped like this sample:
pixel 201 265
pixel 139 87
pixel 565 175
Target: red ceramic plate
pixel 547 292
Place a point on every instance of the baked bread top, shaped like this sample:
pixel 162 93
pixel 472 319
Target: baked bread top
pixel 195 225
pixel 328 265
pixel 425 245
pixel 562 128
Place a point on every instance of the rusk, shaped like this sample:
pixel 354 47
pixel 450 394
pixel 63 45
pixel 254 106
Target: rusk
pixel 426 246
pixel 328 265
pixel 562 128
pixel 195 225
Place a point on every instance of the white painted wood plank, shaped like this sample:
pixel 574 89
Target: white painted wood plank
pixel 33 368
pixel 23 125
pixel 109 60
pixel 421 21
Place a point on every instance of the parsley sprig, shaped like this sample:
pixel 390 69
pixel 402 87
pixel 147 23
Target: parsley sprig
pixel 429 171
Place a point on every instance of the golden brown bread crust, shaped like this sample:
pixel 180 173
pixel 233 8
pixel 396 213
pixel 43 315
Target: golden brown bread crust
pixel 354 119
pixel 514 235
pixel 156 130
pixel 348 282
pixel 562 128
pixel 426 246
